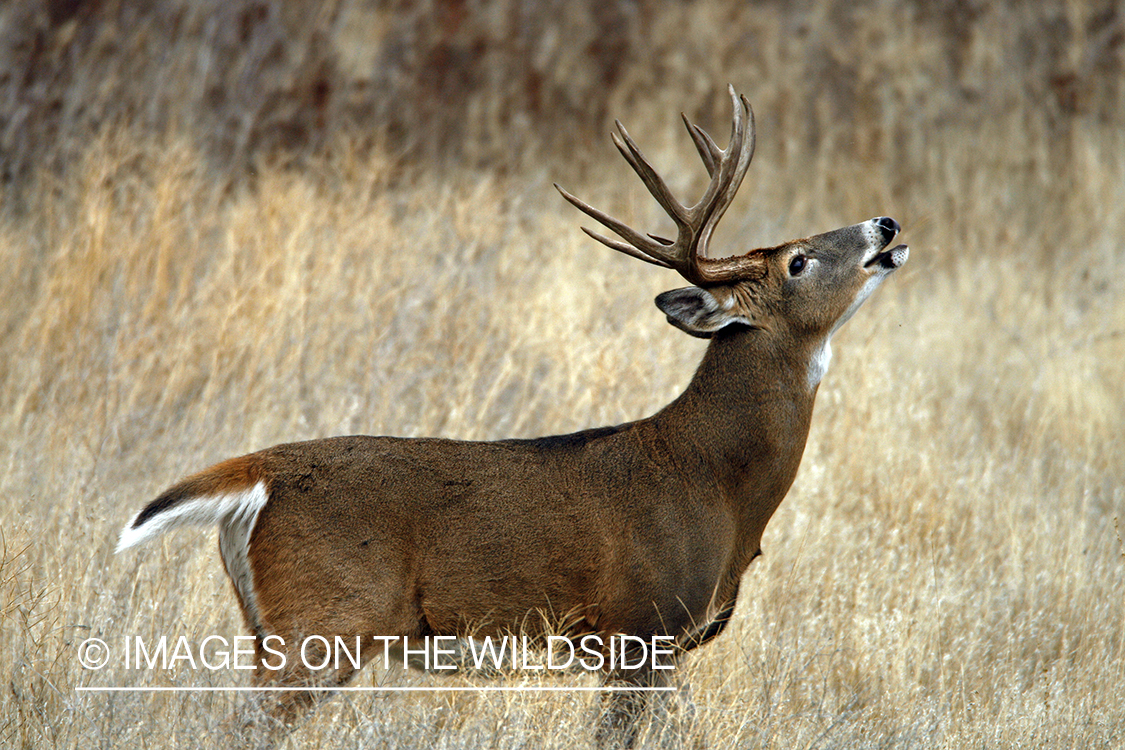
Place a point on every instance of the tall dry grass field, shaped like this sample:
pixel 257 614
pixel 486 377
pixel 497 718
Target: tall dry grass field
pixel 948 570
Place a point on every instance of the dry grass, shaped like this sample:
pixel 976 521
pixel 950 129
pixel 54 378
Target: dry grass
pixel 948 570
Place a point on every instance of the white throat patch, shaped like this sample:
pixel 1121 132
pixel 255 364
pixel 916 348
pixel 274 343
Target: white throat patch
pixel 819 363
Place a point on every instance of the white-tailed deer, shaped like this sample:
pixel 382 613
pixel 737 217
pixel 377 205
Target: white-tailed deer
pixel 643 529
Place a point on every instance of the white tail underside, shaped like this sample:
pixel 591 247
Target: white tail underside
pixel 234 513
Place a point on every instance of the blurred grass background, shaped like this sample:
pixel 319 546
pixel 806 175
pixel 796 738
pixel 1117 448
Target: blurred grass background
pixel 230 224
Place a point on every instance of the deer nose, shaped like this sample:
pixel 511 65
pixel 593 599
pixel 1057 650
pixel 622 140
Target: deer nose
pixel 888 226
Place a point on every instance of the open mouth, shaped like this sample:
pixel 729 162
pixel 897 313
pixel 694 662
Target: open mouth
pixel 889 259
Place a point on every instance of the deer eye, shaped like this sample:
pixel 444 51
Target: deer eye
pixel 798 264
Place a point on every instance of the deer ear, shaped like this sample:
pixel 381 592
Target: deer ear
pixel 696 311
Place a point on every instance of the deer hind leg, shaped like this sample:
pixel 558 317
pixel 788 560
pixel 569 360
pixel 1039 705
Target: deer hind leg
pixel 286 695
pixel 304 656
pixel 297 672
pixel 304 605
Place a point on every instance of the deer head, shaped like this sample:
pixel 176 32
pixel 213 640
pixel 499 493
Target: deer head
pixel 802 290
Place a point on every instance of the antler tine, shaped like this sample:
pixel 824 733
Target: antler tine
pixel 712 204
pixel 639 246
pixel 653 181
pixel 708 151
pixel 745 152
pixel 705 145
pixel 626 248
pixel 695 224
pixel 742 125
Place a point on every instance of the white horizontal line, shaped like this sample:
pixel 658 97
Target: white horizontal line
pixel 527 689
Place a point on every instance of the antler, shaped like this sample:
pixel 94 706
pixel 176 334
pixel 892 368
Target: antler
pixel 694 225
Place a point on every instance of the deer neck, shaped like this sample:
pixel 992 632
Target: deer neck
pixel 744 420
